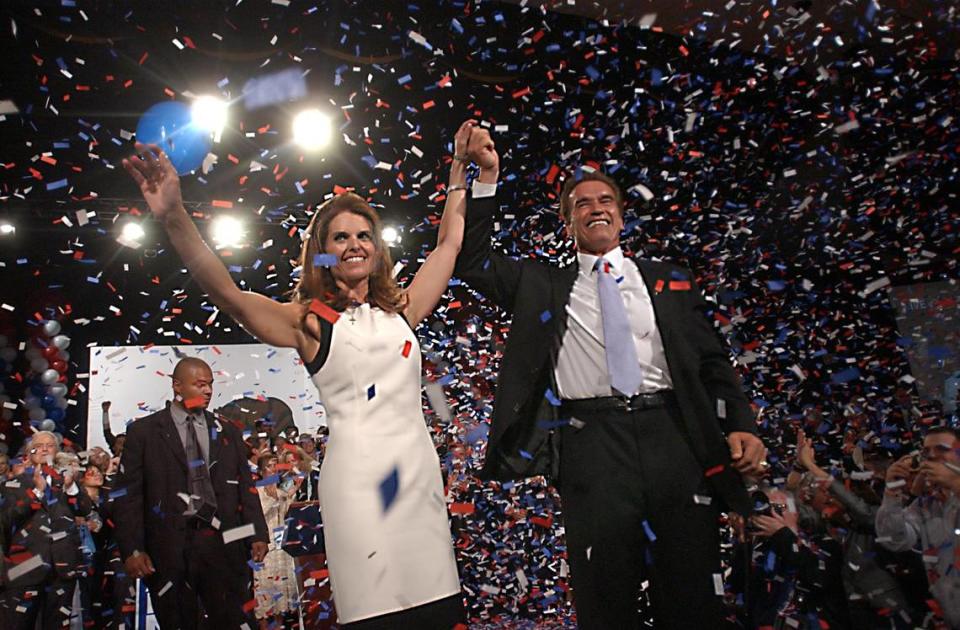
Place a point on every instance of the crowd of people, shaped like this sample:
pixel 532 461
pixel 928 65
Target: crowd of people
pixel 59 506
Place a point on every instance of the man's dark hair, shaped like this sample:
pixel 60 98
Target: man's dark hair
pixel 566 204
pixel 944 429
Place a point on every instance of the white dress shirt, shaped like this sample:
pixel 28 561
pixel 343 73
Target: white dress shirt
pixel 581 369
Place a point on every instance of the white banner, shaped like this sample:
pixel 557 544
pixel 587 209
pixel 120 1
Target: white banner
pixel 249 381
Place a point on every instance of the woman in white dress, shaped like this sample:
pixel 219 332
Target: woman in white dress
pixel 388 541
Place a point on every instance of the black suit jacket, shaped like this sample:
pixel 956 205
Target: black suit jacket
pixel 153 473
pixel 523 440
pixel 44 528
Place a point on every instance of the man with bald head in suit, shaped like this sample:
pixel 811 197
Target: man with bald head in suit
pixel 188 515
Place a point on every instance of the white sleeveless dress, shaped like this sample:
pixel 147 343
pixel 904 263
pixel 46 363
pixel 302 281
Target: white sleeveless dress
pixel 381 494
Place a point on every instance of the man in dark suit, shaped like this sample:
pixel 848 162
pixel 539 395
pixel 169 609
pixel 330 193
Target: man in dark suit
pixel 40 508
pixel 615 385
pixel 187 509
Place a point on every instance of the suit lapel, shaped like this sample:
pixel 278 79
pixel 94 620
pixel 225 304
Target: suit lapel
pixel 168 431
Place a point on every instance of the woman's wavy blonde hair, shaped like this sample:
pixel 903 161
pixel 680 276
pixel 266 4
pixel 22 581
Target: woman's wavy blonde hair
pixel 317 282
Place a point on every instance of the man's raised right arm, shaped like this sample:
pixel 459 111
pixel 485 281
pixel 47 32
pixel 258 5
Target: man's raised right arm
pixel 492 274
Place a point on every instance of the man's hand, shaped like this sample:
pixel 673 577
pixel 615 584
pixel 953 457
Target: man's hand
pixel 258 551
pixel 39 480
pixel 139 565
pixel 105 405
pixel 941 476
pixel 805 452
pixel 482 150
pixel 768 525
pixel 747 452
pixel 900 469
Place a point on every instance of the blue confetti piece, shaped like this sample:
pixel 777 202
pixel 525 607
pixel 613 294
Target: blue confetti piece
pixel 371 392
pixel 116 494
pixel 526 455
pixel 324 260
pixel 60 183
pixel 845 376
pixel 197 463
pixel 269 481
pixel 649 532
pixel 545 317
pixel 776 285
pixel 552 397
pixel 388 489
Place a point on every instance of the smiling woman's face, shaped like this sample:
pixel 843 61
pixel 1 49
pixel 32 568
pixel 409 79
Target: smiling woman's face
pixel 350 239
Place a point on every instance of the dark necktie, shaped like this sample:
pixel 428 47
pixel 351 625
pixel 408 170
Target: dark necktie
pixel 622 363
pixel 199 474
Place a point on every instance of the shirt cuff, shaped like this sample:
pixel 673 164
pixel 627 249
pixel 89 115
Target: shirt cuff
pixel 74 489
pixel 482 190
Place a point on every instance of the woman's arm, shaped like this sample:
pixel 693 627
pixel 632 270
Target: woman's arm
pixel 271 322
pixel 432 278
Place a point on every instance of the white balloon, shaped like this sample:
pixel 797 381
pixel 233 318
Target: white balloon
pixel 39 364
pixel 30 401
pixel 61 403
pixel 32 353
pixel 8 354
pixel 49 377
pixel 51 327
pixel 48 425
pixel 58 389
pixel 64 355
pixel 36 414
pixel 61 341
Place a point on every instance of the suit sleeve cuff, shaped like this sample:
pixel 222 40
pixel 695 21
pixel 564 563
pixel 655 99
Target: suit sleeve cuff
pixel 482 190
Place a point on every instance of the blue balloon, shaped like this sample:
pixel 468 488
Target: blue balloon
pixel 49 402
pixel 56 415
pixel 169 125
pixel 38 389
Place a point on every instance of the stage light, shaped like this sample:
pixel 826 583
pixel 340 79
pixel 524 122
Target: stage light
pixel 209 113
pixel 227 232
pixel 130 234
pixel 390 235
pixel 132 231
pixel 312 129
pixel 7 228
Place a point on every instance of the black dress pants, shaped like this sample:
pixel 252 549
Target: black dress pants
pixel 627 485
pixel 214 575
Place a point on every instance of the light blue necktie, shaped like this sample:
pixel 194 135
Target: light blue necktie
pixel 622 363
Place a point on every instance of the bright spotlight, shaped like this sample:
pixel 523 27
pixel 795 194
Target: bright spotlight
pixel 312 129
pixel 390 235
pixel 227 232
pixel 209 113
pixel 130 234
pixel 7 228
pixel 132 231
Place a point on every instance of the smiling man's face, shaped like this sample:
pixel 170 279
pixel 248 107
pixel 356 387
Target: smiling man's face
pixel 595 219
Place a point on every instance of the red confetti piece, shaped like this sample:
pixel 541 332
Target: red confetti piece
pixel 197 402
pixel 679 285
pixel 407 346
pixel 324 311
pixel 217 203
pixel 658 288
pixel 462 508
pixel 716 470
